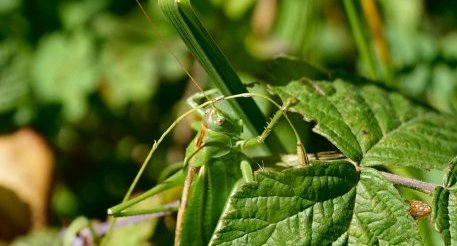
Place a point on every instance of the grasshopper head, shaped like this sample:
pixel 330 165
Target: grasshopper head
pixel 221 122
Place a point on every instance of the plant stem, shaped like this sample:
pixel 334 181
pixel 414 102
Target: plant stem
pixel 362 43
pixel 410 183
pixel 85 235
pixel 379 41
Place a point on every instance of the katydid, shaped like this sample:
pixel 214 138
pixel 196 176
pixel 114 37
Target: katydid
pixel 215 164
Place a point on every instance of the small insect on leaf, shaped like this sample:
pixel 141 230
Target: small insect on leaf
pixel 419 209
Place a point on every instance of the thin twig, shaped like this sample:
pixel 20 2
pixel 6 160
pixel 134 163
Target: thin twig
pixel 85 235
pixel 410 183
pixel 379 41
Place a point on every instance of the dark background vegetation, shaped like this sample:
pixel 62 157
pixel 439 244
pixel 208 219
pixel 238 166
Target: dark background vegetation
pixel 94 79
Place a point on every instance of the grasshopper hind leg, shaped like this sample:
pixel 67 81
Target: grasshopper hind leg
pixel 171 182
pixel 191 173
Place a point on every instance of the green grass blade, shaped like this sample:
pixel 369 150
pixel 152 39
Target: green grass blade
pixel 362 43
pixel 184 20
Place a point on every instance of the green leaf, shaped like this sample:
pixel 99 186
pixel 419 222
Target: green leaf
pixel 374 127
pixel 64 71
pixel 130 73
pixel 322 204
pixel 380 213
pixel 295 207
pixel 445 206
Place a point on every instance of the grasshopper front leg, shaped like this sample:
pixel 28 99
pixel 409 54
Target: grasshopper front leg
pixel 301 152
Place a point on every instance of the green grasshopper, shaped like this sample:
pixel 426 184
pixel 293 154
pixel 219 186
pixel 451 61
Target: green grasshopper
pixel 213 166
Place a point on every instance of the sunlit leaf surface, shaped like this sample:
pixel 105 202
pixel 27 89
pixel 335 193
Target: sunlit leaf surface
pixel 323 204
pixel 375 127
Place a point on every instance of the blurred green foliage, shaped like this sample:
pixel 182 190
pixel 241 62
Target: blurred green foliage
pixel 99 85
pixel 85 74
pixel 47 237
pixel 423 46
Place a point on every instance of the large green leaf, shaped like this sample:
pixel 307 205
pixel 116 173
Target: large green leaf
pixel 445 206
pixel 297 206
pixel 322 204
pixel 374 127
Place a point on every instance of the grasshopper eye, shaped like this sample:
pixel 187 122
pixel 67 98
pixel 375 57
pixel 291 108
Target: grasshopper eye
pixel 220 121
